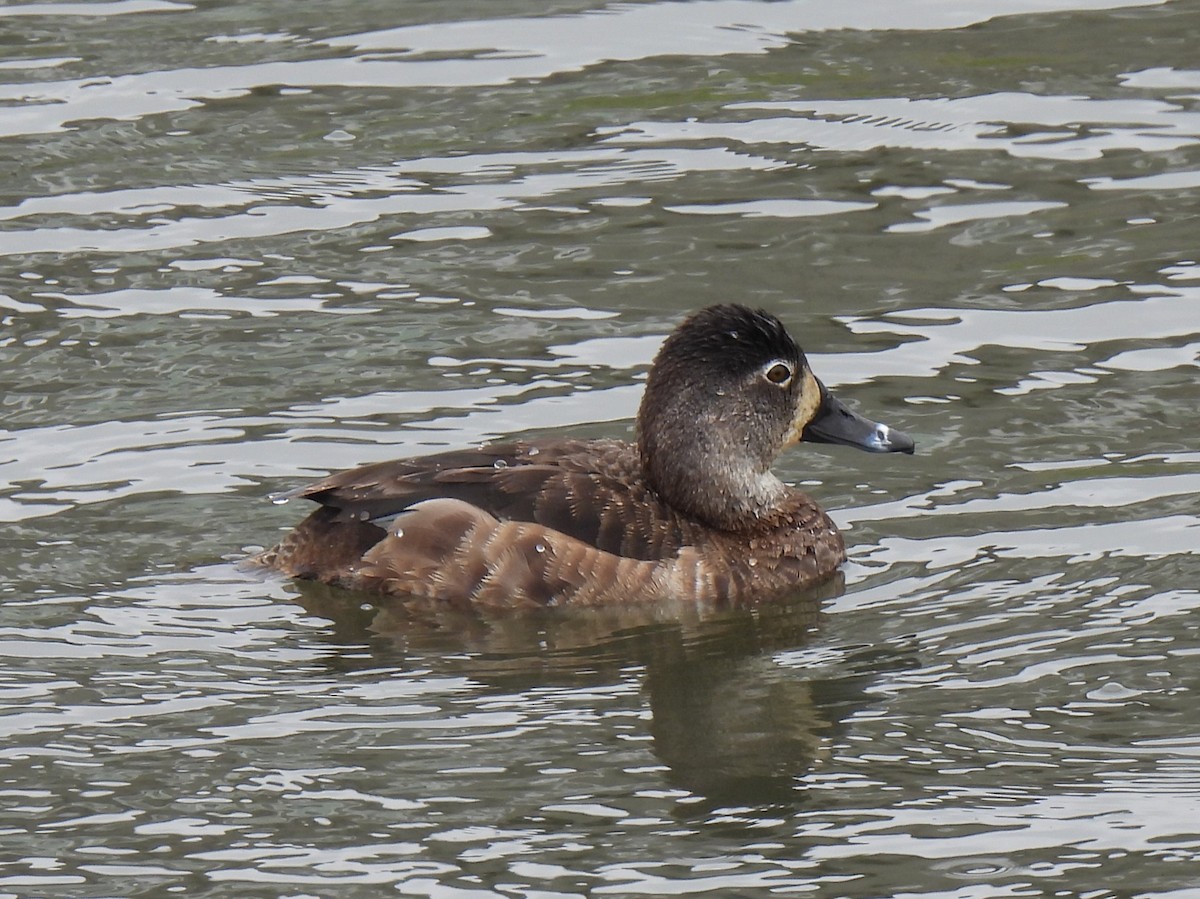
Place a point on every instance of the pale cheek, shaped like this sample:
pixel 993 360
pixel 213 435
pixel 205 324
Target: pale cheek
pixel 806 409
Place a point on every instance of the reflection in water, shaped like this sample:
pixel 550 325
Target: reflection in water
pixel 735 728
pixel 731 725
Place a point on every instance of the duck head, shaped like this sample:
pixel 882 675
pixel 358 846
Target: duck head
pixel 727 392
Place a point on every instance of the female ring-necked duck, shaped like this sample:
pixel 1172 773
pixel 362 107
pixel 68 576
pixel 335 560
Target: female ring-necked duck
pixel 690 511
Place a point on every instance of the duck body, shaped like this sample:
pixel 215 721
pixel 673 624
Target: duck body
pixel 689 512
pixel 540 524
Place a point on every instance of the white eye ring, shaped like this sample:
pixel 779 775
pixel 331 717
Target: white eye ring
pixel 778 373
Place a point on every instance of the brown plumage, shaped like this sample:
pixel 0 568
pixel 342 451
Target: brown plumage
pixel 691 511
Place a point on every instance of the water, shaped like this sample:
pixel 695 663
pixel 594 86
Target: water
pixel 246 244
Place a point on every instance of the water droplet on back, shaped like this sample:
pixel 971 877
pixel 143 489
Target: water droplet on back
pixel 539 547
pixel 500 463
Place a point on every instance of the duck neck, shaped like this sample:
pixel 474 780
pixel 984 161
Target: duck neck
pixel 701 473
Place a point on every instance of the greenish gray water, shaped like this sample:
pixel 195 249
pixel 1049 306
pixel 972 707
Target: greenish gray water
pixel 246 244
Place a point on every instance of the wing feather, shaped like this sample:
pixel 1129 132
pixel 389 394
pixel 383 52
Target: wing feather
pixel 592 491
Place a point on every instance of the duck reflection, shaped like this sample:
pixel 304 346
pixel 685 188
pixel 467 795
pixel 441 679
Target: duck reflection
pixel 731 723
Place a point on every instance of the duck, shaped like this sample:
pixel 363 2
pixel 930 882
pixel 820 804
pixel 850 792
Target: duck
pixel 690 511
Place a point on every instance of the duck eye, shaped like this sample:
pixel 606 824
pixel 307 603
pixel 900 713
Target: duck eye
pixel 779 373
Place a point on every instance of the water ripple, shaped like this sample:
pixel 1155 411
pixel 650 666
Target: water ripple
pixel 1021 125
pixel 248 247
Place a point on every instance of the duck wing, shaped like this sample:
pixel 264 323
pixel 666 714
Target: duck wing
pixel 591 490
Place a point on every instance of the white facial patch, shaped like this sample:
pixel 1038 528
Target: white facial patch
pixel 806 408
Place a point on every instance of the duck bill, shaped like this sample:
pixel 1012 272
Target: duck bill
pixel 834 423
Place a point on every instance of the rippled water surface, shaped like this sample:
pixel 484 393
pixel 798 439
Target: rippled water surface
pixel 245 244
